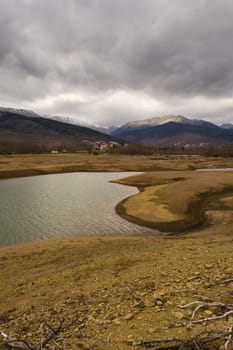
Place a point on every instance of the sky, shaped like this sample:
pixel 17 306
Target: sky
pixel 108 62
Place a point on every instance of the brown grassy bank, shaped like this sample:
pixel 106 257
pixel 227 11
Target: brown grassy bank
pixel 172 201
pixel 29 165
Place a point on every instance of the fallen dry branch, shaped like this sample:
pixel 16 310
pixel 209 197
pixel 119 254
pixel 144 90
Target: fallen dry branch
pixel 214 318
pixel 49 335
pixel 229 339
pixel 223 281
pixel 205 340
pixel 16 343
pixel 198 305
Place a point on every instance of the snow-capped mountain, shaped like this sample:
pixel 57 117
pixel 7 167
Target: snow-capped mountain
pixel 173 129
pixel 156 121
pixel 227 126
pixel 70 120
pixel 64 119
pixel 23 112
pixel 25 131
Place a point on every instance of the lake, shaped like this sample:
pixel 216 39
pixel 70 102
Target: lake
pixel 63 205
pixel 215 169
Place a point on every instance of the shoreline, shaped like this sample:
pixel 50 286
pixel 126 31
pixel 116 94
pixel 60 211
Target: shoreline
pixel 114 291
pixel 13 166
pixel 191 216
pixel 28 173
pixel 192 212
pixel 199 217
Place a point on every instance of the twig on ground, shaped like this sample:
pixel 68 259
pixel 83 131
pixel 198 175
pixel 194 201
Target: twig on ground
pixel 206 305
pixel 223 281
pixel 229 339
pixel 15 343
pixel 202 340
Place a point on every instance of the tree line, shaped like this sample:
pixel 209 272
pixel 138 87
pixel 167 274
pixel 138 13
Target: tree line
pixel 225 150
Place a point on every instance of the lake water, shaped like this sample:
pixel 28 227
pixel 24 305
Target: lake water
pixel 62 205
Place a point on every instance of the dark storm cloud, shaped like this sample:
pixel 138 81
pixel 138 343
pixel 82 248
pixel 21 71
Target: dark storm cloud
pixel 113 60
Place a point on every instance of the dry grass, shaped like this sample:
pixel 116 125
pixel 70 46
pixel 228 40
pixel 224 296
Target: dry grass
pixel 89 283
pixel 27 165
pixel 174 201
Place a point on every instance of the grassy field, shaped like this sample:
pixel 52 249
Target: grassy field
pixel 27 165
pixel 114 292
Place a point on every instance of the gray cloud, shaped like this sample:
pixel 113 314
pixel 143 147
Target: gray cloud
pixel 110 61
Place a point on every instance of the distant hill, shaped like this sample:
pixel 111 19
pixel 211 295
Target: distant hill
pixel 70 120
pixel 227 126
pixel 21 129
pixel 174 130
pixel 24 129
pixel 156 121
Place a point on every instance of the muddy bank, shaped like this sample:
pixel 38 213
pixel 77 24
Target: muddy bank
pixel 174 202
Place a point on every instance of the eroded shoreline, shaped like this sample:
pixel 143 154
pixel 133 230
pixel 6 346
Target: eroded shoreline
pixel 159 206
pixel 114 291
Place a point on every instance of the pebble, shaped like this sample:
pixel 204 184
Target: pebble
pixel 129 316
pixel 179 315
pixel 139 305
pixel 208 266
pixel 151 331
pixel 140 294
pixel 117 321
pixel 110 317
pixel 158 296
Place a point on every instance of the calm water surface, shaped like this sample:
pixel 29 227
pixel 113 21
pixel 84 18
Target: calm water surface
pixel 61 205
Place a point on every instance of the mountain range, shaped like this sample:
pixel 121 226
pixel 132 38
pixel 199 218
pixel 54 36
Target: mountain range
pixel 23 130
pixel 70 120
pixel 174 129
pixel 20 125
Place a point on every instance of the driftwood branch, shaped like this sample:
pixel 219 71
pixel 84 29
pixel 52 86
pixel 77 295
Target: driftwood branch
pixel 202 340
pixel 205 339
pixel 205 305
pixel 223 281
pixel 229 339
pixel 15 343
pixel 215 318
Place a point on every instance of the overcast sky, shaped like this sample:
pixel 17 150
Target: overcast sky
pixel 112 61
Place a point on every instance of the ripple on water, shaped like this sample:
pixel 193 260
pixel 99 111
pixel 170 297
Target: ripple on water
pixel 63 205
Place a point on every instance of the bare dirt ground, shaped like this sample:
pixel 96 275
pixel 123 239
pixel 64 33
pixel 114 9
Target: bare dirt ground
pixel 114 292
pixel 122 292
